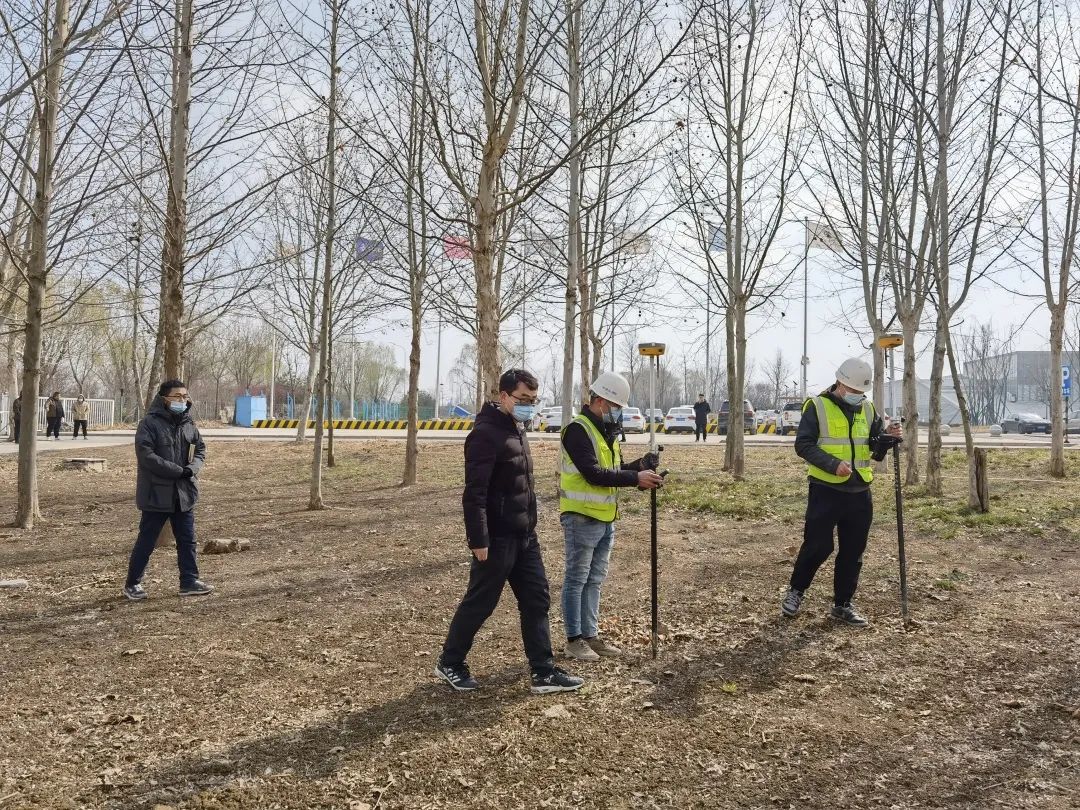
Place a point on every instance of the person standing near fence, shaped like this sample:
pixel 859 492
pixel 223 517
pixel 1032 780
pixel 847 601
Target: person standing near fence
pixel 80 413
pixel 54 415
pixel 16 417
pixel 170 453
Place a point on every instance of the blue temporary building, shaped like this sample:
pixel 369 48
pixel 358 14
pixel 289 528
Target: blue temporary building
pixel 248 409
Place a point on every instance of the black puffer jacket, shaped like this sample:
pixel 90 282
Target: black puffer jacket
pixel 164 443
pixel 500 491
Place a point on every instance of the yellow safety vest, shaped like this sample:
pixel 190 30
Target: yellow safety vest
pixel 578 495
pixel 847 441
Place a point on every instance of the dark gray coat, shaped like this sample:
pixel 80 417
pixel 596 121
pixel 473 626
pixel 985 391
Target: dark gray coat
pixel 163 444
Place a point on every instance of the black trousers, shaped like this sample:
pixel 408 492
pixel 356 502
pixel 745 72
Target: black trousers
pixel 52 426
pixel 519 563
pixel 701 431
pixel 79 423
pixel 849 514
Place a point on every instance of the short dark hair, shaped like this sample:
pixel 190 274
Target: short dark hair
pixel 168 386
pixel 510 379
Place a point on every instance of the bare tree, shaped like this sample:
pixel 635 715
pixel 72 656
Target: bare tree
pixel 738 163
pixel 1049 51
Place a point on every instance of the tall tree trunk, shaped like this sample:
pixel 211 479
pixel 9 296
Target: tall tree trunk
pixel 573 294
pixel 1057 410
pixel 487 304
pixel 316 499
pixel 38 268
pixel 974 499
pixel 331 461
pixel 910 388
pixel 416 195
pixel 933 439
pixel 940 211
pixel 171 312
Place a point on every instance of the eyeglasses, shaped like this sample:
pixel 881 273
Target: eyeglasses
pixel 526 401
pixel 176 397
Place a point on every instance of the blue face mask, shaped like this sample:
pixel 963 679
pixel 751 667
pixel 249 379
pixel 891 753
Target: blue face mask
pixel 853 399
pixel 178 407
pixel 524 413
pixel 613 417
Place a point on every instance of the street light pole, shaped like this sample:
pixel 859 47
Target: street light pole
pixel 438 368
pixel 805 311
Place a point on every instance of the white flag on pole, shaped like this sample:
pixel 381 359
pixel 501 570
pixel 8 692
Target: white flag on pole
pixel 822 235
pixel 635 243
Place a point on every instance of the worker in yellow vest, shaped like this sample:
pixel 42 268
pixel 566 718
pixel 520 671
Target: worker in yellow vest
pixel 590 472
pixel 839 435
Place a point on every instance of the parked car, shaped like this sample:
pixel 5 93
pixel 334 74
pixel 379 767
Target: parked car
pixel 655 415
pixel 1025 423
pixel 632 420
pixel 551 419
pixel 679 420
pixel 790 416
pixel 748 417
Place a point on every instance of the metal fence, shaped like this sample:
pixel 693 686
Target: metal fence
pixel 5 414
pixel 102 412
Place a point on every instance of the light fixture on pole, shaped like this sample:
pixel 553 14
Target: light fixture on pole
pixel 653 351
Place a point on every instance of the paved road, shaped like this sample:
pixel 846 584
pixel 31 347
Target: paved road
pixel 70 446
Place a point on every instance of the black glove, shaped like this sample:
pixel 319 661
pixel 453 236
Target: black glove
pixel 881 444
pixel 188 473
pixel 650 461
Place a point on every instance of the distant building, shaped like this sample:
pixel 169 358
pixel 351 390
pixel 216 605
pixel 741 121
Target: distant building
pixel 950 408
pixel 1018 382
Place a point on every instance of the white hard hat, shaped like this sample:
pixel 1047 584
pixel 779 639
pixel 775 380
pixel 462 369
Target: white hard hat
pixel 856 374
pixel 612 387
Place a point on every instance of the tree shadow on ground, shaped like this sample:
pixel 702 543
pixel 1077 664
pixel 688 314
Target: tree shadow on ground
pixel 316 751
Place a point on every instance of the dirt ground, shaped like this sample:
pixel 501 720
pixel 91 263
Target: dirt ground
pixel 305 680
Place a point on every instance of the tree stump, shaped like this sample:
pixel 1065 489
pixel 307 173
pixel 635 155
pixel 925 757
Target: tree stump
pixel 982 482
pixel 92 464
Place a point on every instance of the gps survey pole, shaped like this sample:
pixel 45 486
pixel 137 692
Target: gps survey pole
pixel 887 343
pixel 654 351
pixel 901 555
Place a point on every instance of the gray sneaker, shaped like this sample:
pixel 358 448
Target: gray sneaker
pixel 136 592
pixel 196 588
pixel 580 649
pixel 792 602
pixel 603 648
pixel 848 615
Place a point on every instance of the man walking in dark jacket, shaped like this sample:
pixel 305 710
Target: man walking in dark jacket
pixel 839 434
pixel 590 472
pixel 54 415
pixel 701 418
pixel 499 502
pixel 170 453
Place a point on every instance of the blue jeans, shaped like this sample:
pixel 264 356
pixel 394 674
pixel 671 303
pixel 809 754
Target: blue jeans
pixel 588 549
pixel 183 526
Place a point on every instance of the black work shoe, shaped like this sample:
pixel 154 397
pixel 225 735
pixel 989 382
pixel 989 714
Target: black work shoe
pixel 136 592
pixel 848 615
pixel 792 602
pixel 196 588
pixel 555 681
pixel 458 677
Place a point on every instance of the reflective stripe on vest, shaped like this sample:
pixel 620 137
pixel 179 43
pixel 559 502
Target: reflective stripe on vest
pixel 847 441
pixel 578 495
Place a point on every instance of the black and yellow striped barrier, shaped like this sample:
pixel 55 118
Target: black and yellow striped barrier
pixel 370 424
pixel 770 428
